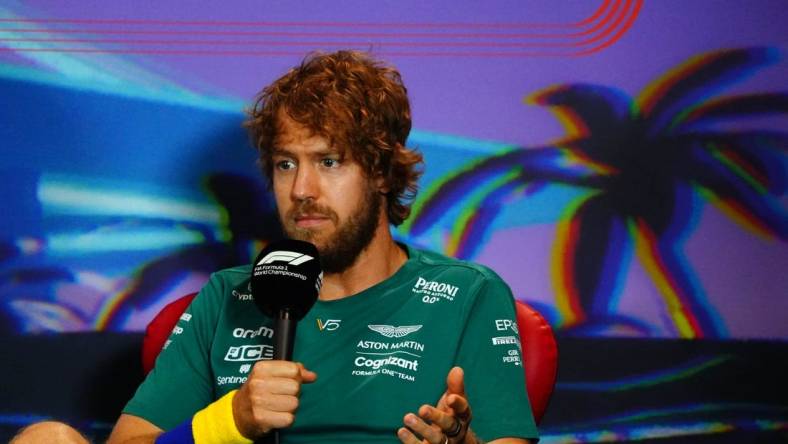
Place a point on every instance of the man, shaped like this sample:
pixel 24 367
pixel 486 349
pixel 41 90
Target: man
pixel 399 346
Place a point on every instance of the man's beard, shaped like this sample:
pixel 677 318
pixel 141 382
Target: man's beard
pixel 342 248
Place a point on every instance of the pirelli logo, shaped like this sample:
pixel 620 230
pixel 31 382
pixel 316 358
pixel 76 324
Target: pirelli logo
pixel 505 340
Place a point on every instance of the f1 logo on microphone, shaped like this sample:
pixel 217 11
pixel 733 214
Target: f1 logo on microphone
pixel 291 257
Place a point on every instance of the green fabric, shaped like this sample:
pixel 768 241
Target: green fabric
pixel 369 372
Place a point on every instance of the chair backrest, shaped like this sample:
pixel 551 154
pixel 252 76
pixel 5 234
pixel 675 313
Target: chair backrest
pixel 540 352
pixel 540 357
pixel 159 329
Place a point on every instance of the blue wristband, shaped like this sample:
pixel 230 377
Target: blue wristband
pixel 182 434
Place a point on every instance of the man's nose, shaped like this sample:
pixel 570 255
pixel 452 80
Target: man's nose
pixel 306 184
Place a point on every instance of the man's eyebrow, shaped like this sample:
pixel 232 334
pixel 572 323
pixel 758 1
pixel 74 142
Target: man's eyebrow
pixel 277 150
pixel 329 151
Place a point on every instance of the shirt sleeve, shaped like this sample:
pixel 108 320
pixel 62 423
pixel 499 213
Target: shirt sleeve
pixel 180 383
pixel 491 357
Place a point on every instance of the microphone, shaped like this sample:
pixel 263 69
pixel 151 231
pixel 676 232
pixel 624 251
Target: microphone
pixel 285 283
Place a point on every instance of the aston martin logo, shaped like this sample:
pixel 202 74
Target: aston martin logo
pixel 390 331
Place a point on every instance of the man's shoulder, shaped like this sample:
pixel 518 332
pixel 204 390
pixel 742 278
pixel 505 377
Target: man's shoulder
pixel 225 282
pixel 234 275
pixel 440 262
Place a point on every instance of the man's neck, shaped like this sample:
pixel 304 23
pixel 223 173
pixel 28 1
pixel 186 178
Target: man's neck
pixel 376 263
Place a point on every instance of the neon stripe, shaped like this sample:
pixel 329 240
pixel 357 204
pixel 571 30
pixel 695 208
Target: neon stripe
pixel 462 227
pixel 742 169
pixel 561 266
pixel 738 214
pixel 647 251
pixel 648 380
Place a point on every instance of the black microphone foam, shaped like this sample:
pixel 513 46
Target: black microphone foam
pixel 287 277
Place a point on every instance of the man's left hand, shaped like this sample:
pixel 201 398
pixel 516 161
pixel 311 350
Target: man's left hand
pixel 448 422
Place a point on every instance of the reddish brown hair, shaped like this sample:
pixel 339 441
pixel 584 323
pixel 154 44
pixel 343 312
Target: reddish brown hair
pixel 357 104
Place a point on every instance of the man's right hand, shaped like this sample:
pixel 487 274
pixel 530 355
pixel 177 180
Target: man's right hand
pixel 269 398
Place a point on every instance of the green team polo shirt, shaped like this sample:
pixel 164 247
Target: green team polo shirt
pixel 378 354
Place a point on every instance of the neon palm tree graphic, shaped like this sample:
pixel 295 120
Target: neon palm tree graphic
pixel 645 164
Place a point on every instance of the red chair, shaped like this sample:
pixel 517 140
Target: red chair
pixel 540 357
pixel 159 329
pixel 540 352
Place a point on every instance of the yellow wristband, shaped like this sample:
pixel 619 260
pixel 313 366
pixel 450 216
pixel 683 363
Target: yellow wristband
pixel 215 424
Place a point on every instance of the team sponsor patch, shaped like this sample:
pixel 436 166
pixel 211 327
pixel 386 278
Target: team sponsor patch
pixel 434 291
pixel 249 353
pixel 392 366
pixel 505 324
pixel 242 296
pixel 391 331
pixel 512 357
pixel 238 380
pixel 402 346
pixel 505 340
pixel 263 331
pixel 328 324
pixel 398 359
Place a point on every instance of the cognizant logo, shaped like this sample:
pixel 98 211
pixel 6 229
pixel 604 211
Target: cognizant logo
pixel 362 361
pixel 291 257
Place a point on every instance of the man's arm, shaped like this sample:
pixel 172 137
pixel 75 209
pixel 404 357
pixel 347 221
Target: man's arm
pixel 267 400
pixel 132 429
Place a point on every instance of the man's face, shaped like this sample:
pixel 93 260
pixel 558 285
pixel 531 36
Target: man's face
pixel 322 197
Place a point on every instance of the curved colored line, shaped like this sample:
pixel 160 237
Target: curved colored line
pixel 646 242
pixel 599 25
pixel 314 43
pixel 596 38
pixel 562 254
pixel 108 311
pixel 292 33
pixel 655 91
pixel 602 23
pixel 649 379
pixel 739 214
pixel 693 408
pixel 742 168
pixel 627 25
pixel 596 14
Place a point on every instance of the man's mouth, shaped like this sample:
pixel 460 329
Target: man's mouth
pixel 310 220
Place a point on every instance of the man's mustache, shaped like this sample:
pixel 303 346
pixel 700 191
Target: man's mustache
pixel 311 208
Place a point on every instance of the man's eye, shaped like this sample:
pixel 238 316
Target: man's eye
pixel 330 163
pixel 285 165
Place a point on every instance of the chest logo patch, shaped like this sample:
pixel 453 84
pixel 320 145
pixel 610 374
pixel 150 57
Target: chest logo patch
pixel 328 324
pixel 391 331
pixel 434 291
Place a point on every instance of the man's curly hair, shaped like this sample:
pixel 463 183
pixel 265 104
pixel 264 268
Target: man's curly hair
pixel 357 104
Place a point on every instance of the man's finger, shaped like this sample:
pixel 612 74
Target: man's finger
pixel 437 417
pixel 455 381
pixel 460 407
pixel 431 433
pixel 407 437
pixel 307 376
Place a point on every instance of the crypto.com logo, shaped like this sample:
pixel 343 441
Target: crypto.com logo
pixel 291 257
